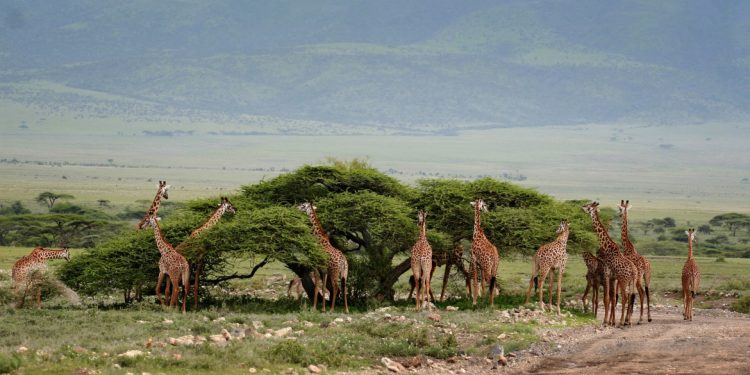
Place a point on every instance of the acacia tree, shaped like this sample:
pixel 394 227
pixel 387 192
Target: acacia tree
pixel 49 198
pixel 732 221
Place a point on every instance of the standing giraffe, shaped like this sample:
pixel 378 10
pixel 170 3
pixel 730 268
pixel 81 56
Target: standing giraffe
pixel 640 262
pixel 224 206
pixel 691 278
pixel 448 260
pixel 484 256
pixel 161 192
pixel 421 262
pixel 549 257
pixel 617 268
pixel 594 278
pixel 336 266
pixel 27 271
pixel 172 264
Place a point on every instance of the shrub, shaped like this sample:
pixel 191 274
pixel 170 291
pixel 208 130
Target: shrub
pixel 742 305
pixel 9 363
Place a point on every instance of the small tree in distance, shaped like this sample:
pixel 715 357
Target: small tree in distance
pixel 49 198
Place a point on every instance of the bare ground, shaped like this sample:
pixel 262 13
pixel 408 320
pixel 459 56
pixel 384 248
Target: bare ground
pixel 715 342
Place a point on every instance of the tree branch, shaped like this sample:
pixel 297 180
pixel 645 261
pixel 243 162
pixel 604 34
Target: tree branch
pixel 236 276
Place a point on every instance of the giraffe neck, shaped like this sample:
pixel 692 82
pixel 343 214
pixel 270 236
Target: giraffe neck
pixel 318 230
pixel 628 247
pixel 212 220
pixel 478 233
pixel 50 254
pixel 605 241
pixel 423 230
pixel 161 243
pixel 156 203
pixel 690 248
pixel 562 238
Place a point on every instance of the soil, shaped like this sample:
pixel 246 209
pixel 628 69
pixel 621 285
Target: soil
pixel 715 342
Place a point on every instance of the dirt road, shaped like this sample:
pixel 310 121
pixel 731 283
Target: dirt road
pixel 715 342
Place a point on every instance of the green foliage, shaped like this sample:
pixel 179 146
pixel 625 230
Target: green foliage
pixel 56 230
pixel 732 221
pixel 9 363
pixel 48 198
pixel 742 304
pixel 16 208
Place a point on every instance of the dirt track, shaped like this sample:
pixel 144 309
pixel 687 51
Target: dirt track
pixel 715 342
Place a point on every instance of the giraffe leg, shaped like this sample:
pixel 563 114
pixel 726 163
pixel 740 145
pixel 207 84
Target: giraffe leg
pixel 606 300
pixel 175 291
pixel 641 294
pixel 427 285
pixel 528 290
pixel 315 294
pixel 585 294
pixel 413 284
pixel 196 282
pixel 647 282
pixel 549 287
pixel 168 288
pixel 186 287
pixel 595 298
pixel 559 288
pixel 346 292
pixel 474 284
pixel 542 279
pixel 625 298
pixel 158 287
pixel 325 287
pixel 418 287
pixel 335 293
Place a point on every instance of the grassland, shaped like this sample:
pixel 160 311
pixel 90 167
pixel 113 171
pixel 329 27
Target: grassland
pixel 62 339
pixel 691 172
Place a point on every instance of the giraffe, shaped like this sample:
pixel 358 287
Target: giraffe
pixel 691 278
pixel 224 207
pixel 336 266
pixel 484 256
pixel 617 268
pixel 594 278
pixel 171 263
pixel 640 262
pixel 421 262
pixel 550 257
pixel 28 270
pixel 161 192
pixel 448 260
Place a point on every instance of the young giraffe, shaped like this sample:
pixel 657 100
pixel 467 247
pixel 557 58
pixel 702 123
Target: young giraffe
pixel 421 262
pixel 643 265
pixel 161 192
pixel 617 268
pixel 224 207
pixel 594 278
pixel 27 271
pixel 336 266
pixel 448 260
pixel 171 263
pixel 691 278
pixel 484 256
pixel 550 257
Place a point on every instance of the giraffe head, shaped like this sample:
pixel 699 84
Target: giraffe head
pixel 307 208
pixel 691 234
pixel 591 208
pixel 163 189
pixel 421 217
pixel 144 223
pixel 227 205
pixel 479 204
pixel 564 226
pixel 66 254
pixel 150 221
pixel 624 207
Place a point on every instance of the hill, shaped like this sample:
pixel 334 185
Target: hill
pixel 386 67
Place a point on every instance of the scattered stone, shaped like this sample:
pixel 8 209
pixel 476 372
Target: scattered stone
pixel 392 365
pixel 79 349
pixel 168 321
pixel 224 333
pixel 84 371
pixel 217 338
pixel 220 319
pixel 177 356
pixel 338 320
pixel 314 369
pixel 434 317
pixel 131 354
pixel 502 336
pixel 451 308
pixel 512 355
pixel 187 340
pixel 257 324
pixel 238 333
pixel 283 332
pixel 348 319
pixel 307 324
pixel 252 370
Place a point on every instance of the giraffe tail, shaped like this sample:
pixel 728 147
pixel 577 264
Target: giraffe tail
pixel 492 284
pixel 536 283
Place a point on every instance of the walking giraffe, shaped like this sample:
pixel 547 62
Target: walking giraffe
pixel 224 207
pixel 640 262
pixel 549 257
pixel 421 262
pixel 484 256
pixel 594 279
pixel 336 266
pixel 618 271
pixel 28 271
pixel 161 192
pixel 691 278
pixel 172 264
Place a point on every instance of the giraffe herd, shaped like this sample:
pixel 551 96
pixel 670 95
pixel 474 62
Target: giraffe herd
pixel 620 273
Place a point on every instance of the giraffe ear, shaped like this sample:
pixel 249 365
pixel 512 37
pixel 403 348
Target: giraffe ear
pixel 473 204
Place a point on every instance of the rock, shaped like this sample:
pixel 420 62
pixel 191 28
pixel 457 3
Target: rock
pixel 224 333
pixel 220 319
pixel 238 333
pixel 131 354
pixel 182 340
pixel 502 336
pixel 451 308
pixel 257 324
pixel 307 324
pixel 22 349
pixel 314 369
pixel 348 319
pixel 217 338
pixel 252 370
pixel 392 365
pixel 512 355
pixel 177 356
pixel 283 332
pixel 434 317
pixel 339 320
pixel 168 321
pixel 387 316
pixel 79 349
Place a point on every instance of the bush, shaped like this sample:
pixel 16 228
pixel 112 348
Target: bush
pixel 742 305
pixel 9 363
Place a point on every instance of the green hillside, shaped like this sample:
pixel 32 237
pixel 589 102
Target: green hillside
pixel 424 66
